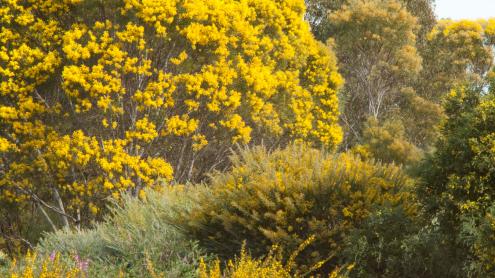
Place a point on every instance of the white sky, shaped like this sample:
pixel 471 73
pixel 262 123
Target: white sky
pixel 465 9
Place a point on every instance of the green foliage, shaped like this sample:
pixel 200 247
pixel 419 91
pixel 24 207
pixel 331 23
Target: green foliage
pixel 289 195
pixel 479 232
pixel 317 15
pixel 3 258
pixel 457 180
pixel 457 175
pixel 420 117
pixel 132 238
pixel 393 244
pixel 376 247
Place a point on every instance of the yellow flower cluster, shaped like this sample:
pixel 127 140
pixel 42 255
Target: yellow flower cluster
pixel 5 145
pixel 468 30
pixel 158 13
pixel 466 25
pixel 237 125
pixel 180 125
pixel 87 168
pixel 144 130
pixel 157 95
pixel 490 27
pixel 271 266
pixel 49 267
pixel 245 266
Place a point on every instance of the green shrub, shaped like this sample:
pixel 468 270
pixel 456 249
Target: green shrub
pixel 284 197
pixel 392 244
pixel 478 232
pixel 457 180
pixel 134 237
pixel 376 246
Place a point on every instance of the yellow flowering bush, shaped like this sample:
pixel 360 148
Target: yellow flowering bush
pixel 245 266
pixel 270 266
pixel 102 97
pixel 52 266
pixel 287 196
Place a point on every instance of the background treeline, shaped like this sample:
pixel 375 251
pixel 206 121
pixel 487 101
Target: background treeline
pixel 256 138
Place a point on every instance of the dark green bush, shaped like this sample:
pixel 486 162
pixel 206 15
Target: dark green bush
pixel 393 244
pixel 478 232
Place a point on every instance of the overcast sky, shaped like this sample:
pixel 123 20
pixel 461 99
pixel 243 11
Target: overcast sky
pixel 469 9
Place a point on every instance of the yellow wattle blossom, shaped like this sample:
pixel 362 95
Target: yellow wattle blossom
pixel 490 27
pixel 5 145
pixel 92 105
pixel 237 125
pixel 179 59
pixel 199 142
pixel 144 130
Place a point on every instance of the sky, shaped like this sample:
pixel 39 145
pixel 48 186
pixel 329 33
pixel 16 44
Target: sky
pixel 465 9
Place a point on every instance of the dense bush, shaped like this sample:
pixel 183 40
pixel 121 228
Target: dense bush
pixel 478 231
pixel 289 195
pixel 457 180
pixel 133 238
pixel 392 244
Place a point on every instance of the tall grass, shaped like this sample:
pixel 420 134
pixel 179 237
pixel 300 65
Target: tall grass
pixel 132 238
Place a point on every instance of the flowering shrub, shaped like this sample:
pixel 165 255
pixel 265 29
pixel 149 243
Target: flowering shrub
pixel 284 197
pixel 50 267
pixel 246 266
pixel 92 104
pixel 270 266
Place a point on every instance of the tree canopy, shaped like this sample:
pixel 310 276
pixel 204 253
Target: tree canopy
pixel 98 97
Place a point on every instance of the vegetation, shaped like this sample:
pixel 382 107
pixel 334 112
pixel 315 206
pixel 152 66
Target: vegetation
pixel 377 41
pixel 246 266
pixel 245 138
pixel 288 196
pixel 93 105
pixel 456 180
pixel 132 238
pixel 51 266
